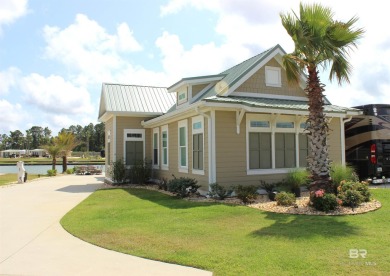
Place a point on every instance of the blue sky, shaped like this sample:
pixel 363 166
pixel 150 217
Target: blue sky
pixel 54 55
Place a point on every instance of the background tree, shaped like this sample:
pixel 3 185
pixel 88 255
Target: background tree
pixel 37 137
pixel 320 41
pixel 16 139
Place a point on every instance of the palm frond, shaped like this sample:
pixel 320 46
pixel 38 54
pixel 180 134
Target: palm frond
pixel 294 67
pixel 340 70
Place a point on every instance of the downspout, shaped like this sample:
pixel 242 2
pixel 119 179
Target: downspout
pixel 342 137
pixel 211 144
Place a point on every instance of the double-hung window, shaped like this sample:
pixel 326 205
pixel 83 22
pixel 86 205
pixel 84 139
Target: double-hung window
pixel 198 145
pixel 182 150
pixel 164 148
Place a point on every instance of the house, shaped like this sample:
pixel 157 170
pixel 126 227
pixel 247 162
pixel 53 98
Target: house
pixel 238 127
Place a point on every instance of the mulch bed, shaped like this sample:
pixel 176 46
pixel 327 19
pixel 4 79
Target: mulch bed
pixel 262 202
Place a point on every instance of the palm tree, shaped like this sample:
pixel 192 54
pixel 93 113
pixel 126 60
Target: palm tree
pixel 67 141
pixel 320 41
pixel 54 150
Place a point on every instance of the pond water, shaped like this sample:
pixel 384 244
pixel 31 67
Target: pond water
pixel 37 169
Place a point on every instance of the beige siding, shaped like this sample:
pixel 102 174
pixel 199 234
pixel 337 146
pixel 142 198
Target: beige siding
pixel 231 161
pixel 174 155
pixel 123 123
pixel 256 84
pixel 335 140
pixel 197 88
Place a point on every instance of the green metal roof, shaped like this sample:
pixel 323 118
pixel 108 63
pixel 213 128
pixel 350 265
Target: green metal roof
pixel 276 104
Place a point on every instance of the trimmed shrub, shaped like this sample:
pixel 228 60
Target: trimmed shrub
pixel 353 193
pixel 51 172
pixel 118 171
pixel 362 188
pixel 325 202
pixel 219 192
pixel 69 171
pixel 183 186
pixel 285 199
pixel 141 172
pixel 352 198
pixel 247 194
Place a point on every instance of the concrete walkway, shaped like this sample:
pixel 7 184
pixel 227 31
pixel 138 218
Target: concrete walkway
pixel 32 241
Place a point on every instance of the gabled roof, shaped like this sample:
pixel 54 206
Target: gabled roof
pixel 236 73
pixel 134 100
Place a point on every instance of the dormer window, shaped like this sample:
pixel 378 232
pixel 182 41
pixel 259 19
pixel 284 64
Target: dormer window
pixel 273 76
pixel 182 96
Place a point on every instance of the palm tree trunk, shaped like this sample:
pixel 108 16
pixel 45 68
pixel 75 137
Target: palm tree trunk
pixel 318 158
pixel 64 164
pixel 54 163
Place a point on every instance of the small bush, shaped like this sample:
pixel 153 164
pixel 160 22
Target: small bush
pixel 183 186
pixel 362 188
pixel 69 171
pixel 352 198
pixel 353 193
pixel 268 187
pixel 141 172
pixel 297 178
pixel 51 172
pixel 118 171
pixel 324 201
pixel 285 199
pixel 219 192
pixel 247 194
pixel 340 172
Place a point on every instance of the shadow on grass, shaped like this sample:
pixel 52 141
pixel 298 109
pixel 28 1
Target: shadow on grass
pixel 305 226
pixel 168 201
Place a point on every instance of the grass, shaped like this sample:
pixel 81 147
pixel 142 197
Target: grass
pixel 233 240
pixel 8 178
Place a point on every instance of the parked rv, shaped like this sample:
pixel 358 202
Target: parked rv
pixel 367 142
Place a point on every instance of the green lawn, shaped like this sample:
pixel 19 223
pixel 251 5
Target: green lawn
pixel 233 240
pixel 12 177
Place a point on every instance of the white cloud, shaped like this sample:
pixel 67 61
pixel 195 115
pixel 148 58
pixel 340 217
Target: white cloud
pixel 8 79
pixel 87 49
pixel 11 116
pixel 55 95
pixel 10 10
pixel 250 26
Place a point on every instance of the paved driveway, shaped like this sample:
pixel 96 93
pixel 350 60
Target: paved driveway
pixel 32 241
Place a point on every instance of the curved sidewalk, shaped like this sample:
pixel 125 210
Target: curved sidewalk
pixel 32 241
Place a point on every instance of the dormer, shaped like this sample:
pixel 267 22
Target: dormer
pixel 189 90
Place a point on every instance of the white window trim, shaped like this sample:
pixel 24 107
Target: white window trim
pixel 279 81
pixel 184 123
pixel 164 166
pixel 185 99
pixel 273 119
pixel 195 120
pixel 125 139
pixel 156 131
